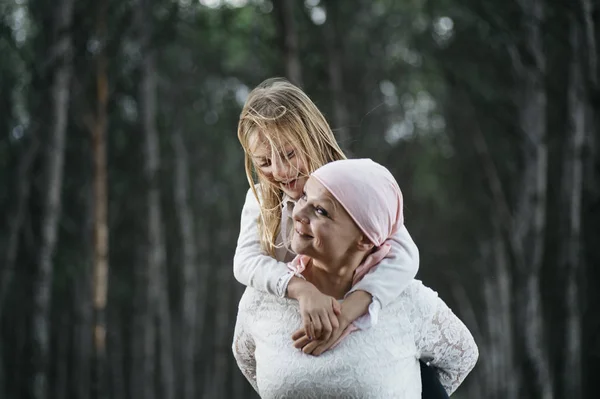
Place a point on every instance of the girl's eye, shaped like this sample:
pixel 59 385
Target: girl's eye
pixel 265 164
pixel 303 198
pixel 321 211
pixel 291 154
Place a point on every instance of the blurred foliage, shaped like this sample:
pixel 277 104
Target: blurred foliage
pixel 421 78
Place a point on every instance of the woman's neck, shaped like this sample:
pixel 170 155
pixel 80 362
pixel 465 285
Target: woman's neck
pixel 336 284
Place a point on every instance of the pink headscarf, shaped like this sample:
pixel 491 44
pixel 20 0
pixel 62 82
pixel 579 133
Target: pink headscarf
pixel 372 198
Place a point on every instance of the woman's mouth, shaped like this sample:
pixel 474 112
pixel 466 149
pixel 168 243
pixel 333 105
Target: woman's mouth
pixel 302 235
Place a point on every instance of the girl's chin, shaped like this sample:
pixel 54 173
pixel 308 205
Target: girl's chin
pixel 294 188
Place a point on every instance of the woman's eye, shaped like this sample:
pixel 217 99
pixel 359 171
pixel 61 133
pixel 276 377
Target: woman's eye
pixel 303 198
pixel 291 154
pixel 321 211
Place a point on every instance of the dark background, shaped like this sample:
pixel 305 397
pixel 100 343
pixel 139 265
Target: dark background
pixel 122 179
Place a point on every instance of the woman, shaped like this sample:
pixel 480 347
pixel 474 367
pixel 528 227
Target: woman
pixel 348 210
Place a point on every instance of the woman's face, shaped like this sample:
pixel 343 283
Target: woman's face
pixel 282 166
pixel 323 229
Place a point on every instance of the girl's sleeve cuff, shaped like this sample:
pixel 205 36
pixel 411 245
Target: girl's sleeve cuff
pixel 370 318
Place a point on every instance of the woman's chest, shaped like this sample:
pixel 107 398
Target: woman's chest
pixel 377 363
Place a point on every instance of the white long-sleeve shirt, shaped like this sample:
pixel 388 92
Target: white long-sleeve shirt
pixel 381 362
pixel 255 269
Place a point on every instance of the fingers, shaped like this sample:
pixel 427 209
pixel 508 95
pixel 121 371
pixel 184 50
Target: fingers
pixel 319 350
pixel 299 333
pixel 301 342
pixel 310 347
pixel 317 328
pixel 308 325
pixel 337 308
pixel 327 327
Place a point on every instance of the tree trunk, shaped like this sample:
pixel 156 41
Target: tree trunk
pixel 498 287
pixel 284 12
pixel 42 292
pixel 141 366
pixel 590 39
pixel 18 216
pixel 222 346
pixel 190 266
pixel 531 209
pixel 341 118
pixel 100 264
pixel 151 274
pixel 83 342
pixel 508 377
pixel 572 191
pixel 157 294
pixel 62 359
pixel 165 335
pixel 115 354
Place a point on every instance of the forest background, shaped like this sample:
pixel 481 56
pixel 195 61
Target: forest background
pixel 122 179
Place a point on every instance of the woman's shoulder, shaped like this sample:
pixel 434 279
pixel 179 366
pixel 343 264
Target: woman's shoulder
pixel 255 301
pixel 251 300
pixel 418 299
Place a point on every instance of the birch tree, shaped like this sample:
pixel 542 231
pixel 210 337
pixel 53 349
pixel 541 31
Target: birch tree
pixel 55 152
pixel 157 306
pixel 572 184
pixel 100 262
pixel 336 76
pixel 530 214
pixel 190 278
pixel 287 31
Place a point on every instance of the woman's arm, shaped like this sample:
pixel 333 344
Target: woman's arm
pixel 251 266
pixel 442 339
pixel 243 347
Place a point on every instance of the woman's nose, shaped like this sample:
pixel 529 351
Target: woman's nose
pixel 299 213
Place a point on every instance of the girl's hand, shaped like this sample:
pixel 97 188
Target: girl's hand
pixel 317 347
pixel 355 305
pixel 319 313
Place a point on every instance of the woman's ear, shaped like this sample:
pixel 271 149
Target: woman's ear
pixel 365 244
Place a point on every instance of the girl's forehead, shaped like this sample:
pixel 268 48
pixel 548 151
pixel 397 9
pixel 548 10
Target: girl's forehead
pixel 262 146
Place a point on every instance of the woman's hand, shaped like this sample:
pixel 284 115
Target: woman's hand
pixel 319 313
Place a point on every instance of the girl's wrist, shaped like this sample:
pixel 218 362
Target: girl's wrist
pixel 298 288
pixel 356 305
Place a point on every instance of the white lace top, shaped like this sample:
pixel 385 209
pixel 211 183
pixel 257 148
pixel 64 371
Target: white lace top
pixel 381 362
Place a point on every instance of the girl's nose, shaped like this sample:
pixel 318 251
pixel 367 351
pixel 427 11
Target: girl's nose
pixel 280 168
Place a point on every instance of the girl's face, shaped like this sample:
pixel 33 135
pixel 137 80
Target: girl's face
pixel 282 166
pixel 323 229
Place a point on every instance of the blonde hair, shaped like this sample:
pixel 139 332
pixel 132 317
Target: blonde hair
pixel 282 112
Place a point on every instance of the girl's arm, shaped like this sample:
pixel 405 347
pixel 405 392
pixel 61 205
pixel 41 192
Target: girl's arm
pixel 384 282
pixel 441 338
pixel 380 286
pixel 251 266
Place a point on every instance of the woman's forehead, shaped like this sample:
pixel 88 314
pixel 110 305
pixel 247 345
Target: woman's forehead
pixel 316 190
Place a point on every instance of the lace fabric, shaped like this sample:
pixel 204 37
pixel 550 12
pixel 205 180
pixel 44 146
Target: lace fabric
pixel 381 362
